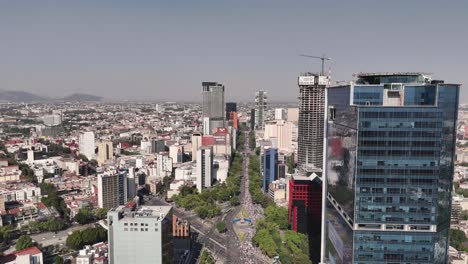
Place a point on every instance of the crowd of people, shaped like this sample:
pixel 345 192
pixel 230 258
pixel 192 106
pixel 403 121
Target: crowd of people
pixel 246 246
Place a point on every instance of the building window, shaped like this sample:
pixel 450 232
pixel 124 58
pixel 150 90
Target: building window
pixel 125 229
pixel 156 230
pixel 125 224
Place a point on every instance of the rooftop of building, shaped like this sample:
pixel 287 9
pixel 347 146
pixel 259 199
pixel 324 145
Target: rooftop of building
pixel 302 177
pixel 363 74
pixel 158 212
pixel 392 77
pixel 28 251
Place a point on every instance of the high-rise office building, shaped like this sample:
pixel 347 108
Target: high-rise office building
pixel 213 105
pixel 105 151
pixel 305 209
pixel 230 107
pixel 270 167
pixel 87 144
pixel 204 168
pixel 157 145
pixel 112 189
pixel 389 169
pixel 140 234
pixel 310 124
pixel 260 108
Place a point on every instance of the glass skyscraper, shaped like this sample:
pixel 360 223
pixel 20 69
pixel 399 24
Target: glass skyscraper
pixel 389 169
pixel 270 167
pixel 213 105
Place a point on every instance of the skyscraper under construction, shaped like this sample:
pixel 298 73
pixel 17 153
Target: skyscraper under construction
pixel 310 123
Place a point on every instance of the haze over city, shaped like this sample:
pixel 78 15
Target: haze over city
pixel 241 132
pixel 162 50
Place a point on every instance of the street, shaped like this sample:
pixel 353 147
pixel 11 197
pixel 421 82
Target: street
pixel 226 247
pixel 51 238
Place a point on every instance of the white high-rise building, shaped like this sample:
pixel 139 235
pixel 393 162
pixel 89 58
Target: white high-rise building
pixel 87 144
pixel 140 235
pixel 282 132
pixel 279 114
pixel 176 152
pixel 163 165
pixel 206 126
pixel 204 168
pixel 196 143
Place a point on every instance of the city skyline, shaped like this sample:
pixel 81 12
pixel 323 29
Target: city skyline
pixel 135 51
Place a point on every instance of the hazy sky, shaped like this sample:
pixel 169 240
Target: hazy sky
pixel 163 50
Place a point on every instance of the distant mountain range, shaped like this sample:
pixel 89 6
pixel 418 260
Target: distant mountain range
pixel 25 97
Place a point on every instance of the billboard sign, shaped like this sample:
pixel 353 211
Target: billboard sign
pixel 306 80
pixel 323 80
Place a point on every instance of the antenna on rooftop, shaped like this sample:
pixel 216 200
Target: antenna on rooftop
pixel 323 59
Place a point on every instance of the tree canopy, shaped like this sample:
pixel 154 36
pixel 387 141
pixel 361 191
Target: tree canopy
pixel 24 242
pixel 457 239
pixel 88 236
pixel 206 258
pixel 205 204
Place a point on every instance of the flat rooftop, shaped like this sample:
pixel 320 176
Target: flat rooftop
pixel 365 74
pixel 143 212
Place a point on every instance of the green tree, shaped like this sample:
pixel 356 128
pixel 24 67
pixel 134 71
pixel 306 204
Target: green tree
pixel 84 216
pixel 456 185
pixel 221 227
pixel 278 215
pixel 88 236
pixel 265 242
pixel 5 233
pixel 457 239
pixel 206 258
pixel 24 242
pixel 234 201
pixel 75 241
pixel 54 224
pixel 100 213
pixel 53 199
pixel 252 142
pixel 58 260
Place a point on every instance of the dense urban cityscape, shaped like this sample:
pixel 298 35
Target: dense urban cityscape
pixel 224 182
pixel 237 132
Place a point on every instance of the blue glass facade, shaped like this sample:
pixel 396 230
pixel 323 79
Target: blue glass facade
pixel 389 173
pixel 270 165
